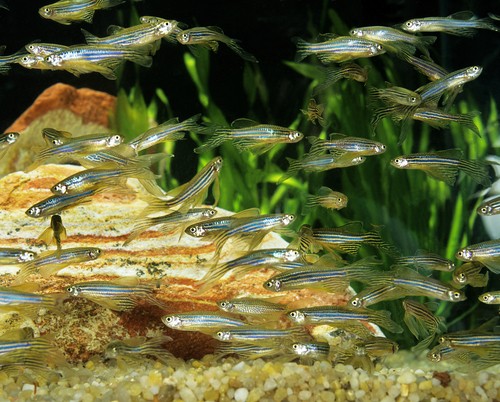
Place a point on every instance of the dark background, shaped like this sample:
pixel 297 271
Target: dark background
pixel 265 28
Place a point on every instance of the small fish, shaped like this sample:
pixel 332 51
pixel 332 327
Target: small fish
pixel 6 61
pixel 400 40
pixel 487 253
pixel 445 165
pixel 426 261
pixel 415 284
pixel 395 95
pixel 133 350
pixel 32 61
pixel 10 256
pixel 191 193
pixel 209 37
pixel 338 49
pixel 490 207
pixel 440 119
pixel 207 322
pixel 33 353
pixel 326 198
pixel 100 179
pixel 463 23
pixel 170 130
pixel 259 335
pixel 422 323
pixel 319 163
pixel 252 307
pixel 251 231
pixel 51 262
pixel 121 294
pixel 346 146
pixel 44 49
pixel 143 35
pixel 248 135
pixel 469 273
pixel 21 300
pixel 68 11
pixel 6 140
pixel 314 112
pixel 209 228
pixel 309 352
pixel 376 294
pixel 266 258
pixel 346 239
pixel 102 59
pixel 445 352
pixel 55 138
pixel 69 147
pixel 247 351
pixel 317 276
pixel 432 92
pixel 351 71
pixel 340 316
pixel 172 221
pixel 55 233
pixel 57 203
pixel 177 26
pixel 492 297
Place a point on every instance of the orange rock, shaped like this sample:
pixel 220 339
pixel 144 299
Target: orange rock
pixel 92 106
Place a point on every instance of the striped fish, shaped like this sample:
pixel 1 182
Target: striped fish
pixel 338 49
pixel 68 11
pixel 121 294
pixel 15 255
pixel 469 273
pixel 445 165
pixel 207 322
pixel 490 207
pixel 193 192
pixel 426 261
pixel 57 203
pixel 487 253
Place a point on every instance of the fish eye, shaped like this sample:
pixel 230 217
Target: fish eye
pixel 220 334
pixel 409 23
pixel 185 37
pixel 223 304
pixel 192 229
pixel 295 346
pixel 94 254
pixel 413 99
pixel 168 319
pixel 441 339
pixel 456 295
pixel 436 356
pixel 356 302
pixel 269 284
pixel 485 298
pixel 461 277
pixel 47 11
pixel 293 314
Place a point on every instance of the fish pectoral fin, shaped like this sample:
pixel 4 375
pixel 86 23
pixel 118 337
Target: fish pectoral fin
pixel 448 174
pixel 88 16
pixel 47 237
pixel 493 264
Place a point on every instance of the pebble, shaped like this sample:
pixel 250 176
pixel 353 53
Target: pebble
pixel 407 378
pixel 241 395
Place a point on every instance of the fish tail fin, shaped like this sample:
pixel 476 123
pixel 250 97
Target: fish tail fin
pixel 373 238
pixel 211 277
pixel 235 47
pixel 303 49
pixel 310 204
pixel 295 166
pixel 330 76
pixel 152 187
pixel 383 319
pixel 91 39
pixel 25 270
pixel 477 170
pixel 215 140
pixel 140 56
pixel 141 226
pixel 109 3
pixel 467 120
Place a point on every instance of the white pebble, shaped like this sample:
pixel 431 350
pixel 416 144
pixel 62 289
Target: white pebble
pixel 305 395
pixel 354 383
pixel 270 384
pixel 240 366
pixel 241 395
pixel 187 395
pixel 28 387
pixel 407 378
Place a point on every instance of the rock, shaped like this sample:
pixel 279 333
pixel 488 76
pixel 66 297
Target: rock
pixel 63 107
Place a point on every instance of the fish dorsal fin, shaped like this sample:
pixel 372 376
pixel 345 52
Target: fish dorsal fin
pixel 17 334
pixel 91 39
pixel 325 191
pixel 336 136
pixel 135 341
pixel 330 260
pixel 113 29
pixel 173 120
pixel 454 153
pixel 356 227
pixel 327 36
pixel 247 213
pixel 29 287
pixel 243 123
pixel 126 281
pixel 216 29
pixel 462 15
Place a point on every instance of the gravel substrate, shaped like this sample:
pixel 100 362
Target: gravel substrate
pixel 402 377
